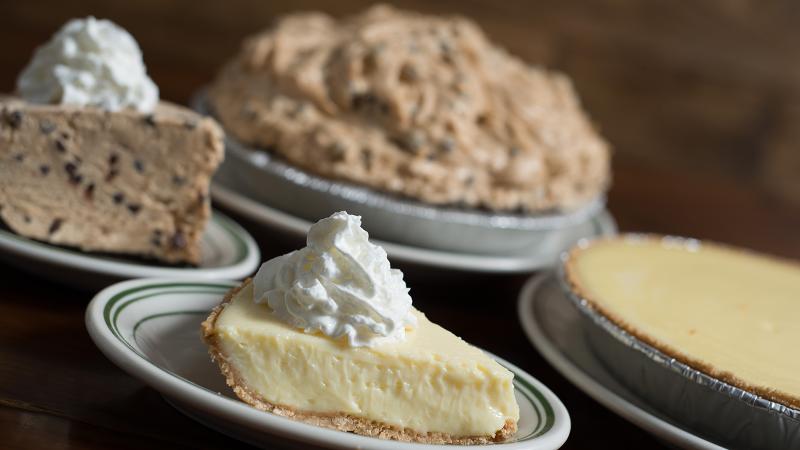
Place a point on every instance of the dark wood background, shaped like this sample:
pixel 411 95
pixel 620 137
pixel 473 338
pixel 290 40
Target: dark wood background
pixel 698 86
pixel 700 99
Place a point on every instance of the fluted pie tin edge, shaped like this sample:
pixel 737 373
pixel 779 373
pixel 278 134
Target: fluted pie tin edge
pixel 267 179
pixel 708 405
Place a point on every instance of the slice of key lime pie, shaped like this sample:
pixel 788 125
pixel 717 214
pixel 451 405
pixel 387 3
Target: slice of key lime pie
pixel 730 313
pixel 327 335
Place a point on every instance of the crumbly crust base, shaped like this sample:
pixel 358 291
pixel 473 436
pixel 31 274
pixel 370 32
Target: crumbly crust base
pixel 336 421
pixel 575 285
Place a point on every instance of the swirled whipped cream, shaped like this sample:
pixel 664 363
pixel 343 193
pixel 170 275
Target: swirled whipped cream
pixel 339 284
pixel 89 62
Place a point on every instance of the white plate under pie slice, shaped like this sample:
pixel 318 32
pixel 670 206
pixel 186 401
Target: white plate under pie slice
pixel 229 252
pixel 601 224
pixel 553 325
pixel 151 329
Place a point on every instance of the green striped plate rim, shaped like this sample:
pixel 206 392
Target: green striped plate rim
pixel 119 302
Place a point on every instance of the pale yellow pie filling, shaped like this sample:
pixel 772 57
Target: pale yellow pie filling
pixel 736 313
pixel 431 382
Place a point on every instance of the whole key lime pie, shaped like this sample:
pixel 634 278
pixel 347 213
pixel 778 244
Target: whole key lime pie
pixel 327 335
pixel 730 313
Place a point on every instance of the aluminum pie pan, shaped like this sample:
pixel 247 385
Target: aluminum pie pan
pixel 266 178
pixel 706 404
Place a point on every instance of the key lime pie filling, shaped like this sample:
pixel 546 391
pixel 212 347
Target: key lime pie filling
pixel 730 313
pixel 328 335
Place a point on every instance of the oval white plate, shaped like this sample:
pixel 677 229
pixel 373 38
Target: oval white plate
pixel 229 252
pixel 601 225
pixel 553 326
pixel 151 329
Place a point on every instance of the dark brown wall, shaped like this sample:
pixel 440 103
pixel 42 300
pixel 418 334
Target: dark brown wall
pixel 700 86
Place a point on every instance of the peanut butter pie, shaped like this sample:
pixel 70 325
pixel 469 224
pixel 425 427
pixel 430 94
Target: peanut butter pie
pixel 730 313
pixel 89 157
pixel 327 335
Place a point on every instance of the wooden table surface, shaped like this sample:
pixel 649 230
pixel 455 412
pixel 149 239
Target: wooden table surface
pixel 58 391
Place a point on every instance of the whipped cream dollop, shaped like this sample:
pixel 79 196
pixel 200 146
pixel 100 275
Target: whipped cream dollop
pixel 339 284
pixel 89 62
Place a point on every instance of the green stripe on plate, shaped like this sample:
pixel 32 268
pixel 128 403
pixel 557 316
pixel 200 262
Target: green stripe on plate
pixel 533 395
pixel 234 230
pixel 549 415
pixel 127 303
pixel 158 316
pixel 210 288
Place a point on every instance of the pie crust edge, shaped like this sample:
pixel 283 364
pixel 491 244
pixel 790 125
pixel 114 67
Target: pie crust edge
pixel 337 421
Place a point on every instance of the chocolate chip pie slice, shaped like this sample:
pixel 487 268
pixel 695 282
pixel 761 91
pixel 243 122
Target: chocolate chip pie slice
pixel 119 182
pixel 89 157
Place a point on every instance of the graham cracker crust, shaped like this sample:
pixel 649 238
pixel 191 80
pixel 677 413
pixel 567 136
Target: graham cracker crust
pixel 336 421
